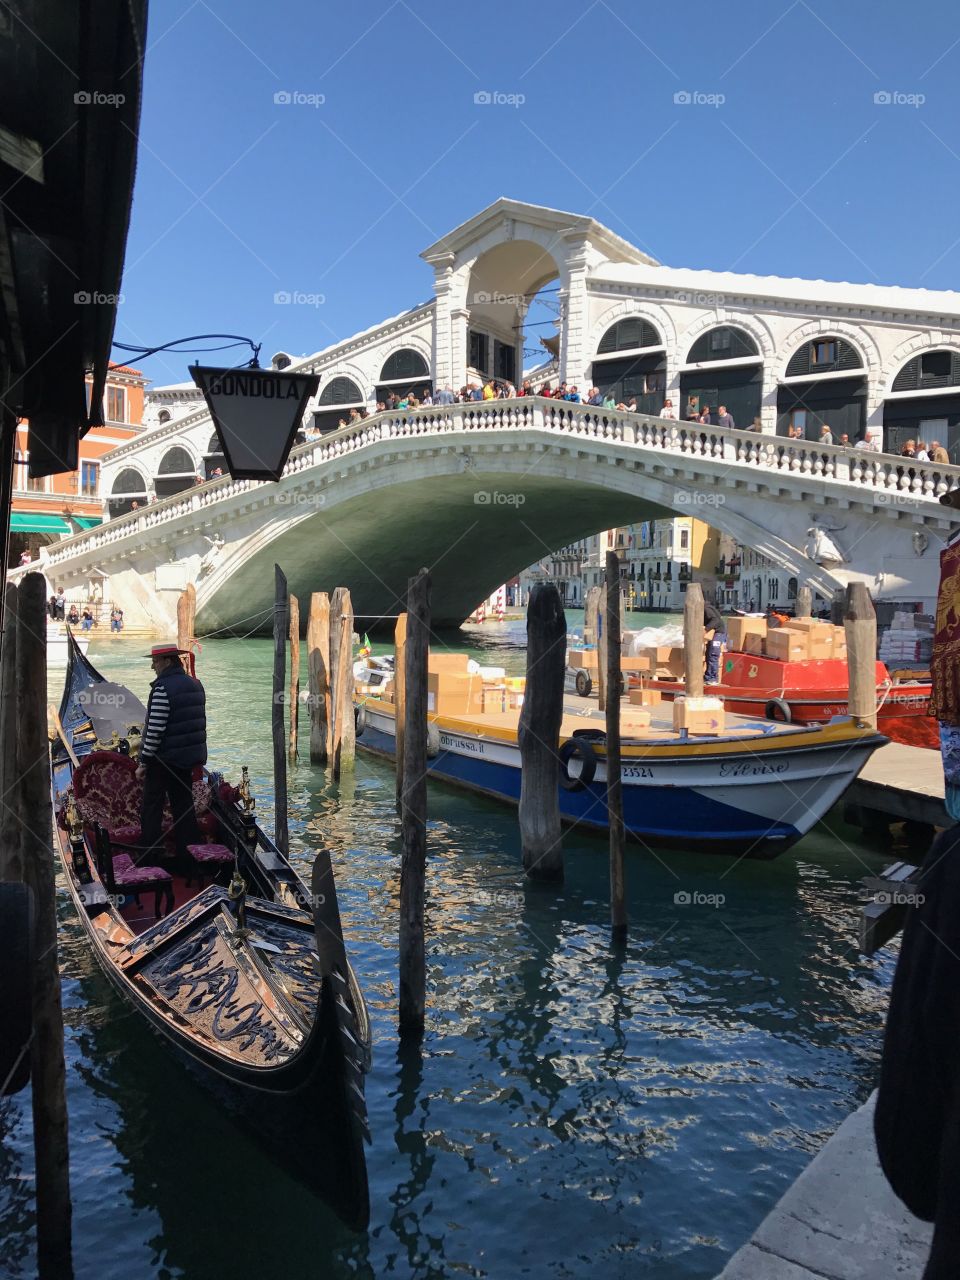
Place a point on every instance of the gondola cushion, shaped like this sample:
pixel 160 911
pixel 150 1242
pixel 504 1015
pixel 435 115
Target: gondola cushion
pixel 126 872
pixel 108 793
pixel 210 852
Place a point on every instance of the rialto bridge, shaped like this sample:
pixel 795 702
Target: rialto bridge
pixel 478 491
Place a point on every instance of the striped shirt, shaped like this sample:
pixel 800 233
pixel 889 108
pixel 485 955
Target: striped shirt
pixel 158 712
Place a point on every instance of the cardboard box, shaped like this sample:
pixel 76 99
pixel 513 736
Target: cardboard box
pixel 698 715
pixel 638 665
pixel 636 718
pixel 787 645
pixel 645 697
pixel 754 642
pixel 386 691
pixel 820 646
pixel 806 624
pixel 738 629
pixel 453 695
pixel 454 663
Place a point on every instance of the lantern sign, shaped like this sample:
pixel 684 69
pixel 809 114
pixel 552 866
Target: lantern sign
pixel 256 413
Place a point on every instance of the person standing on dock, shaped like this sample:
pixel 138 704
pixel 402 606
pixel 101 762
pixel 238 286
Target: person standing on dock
pixel 174 743
pixel 715 631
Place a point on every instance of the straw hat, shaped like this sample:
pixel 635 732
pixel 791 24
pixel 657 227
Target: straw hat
pixel 165 651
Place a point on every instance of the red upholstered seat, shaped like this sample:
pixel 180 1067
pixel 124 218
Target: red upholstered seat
pixel 107 791
pixel 218 853
pixel 127 873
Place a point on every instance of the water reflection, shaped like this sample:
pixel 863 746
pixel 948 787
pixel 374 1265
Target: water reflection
pixel 575 1110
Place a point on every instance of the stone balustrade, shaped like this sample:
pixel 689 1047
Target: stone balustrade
pixel 893 480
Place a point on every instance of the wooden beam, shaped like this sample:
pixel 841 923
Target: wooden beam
pixel 281 834
pixel 539 734
pixel 413 980
pixel 618 903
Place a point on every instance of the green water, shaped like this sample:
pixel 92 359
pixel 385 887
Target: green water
pixel 574 1112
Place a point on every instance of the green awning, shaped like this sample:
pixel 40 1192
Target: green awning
pixel 33 522
pixel 86 522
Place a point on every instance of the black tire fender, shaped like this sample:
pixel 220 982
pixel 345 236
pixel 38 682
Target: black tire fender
pixel 16 988
pixel 359 719
pixel 583 683
pixel 778 709
pixel 580 749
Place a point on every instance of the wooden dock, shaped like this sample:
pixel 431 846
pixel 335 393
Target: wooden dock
pixel 899 784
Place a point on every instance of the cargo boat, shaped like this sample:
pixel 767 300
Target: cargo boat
pixel 754 789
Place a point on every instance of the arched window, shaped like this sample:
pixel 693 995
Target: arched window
pixel 823 355
pixel 128 488
pixel 635 378
pixel 924 415
pixel 163 416
pixel 929 370
pixel 726 342
pixel 404 364
pixel 807 401
pixel 405 373
pixel 341 391
pixel 177 472
pixel 176 462
pixel 628 335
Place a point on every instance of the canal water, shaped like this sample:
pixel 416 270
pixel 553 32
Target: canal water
pixel 575 1112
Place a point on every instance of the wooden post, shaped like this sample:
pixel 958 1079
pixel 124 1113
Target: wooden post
pixel 47 1068
pixel 344 745
pixel 611 657
pixel 590 606
pixel 413 972
pixel 860 625
pixel 539 734
pixel 294 675
pixel 281 834
pixel 838 607
pixel 804 605
pixel 186 615
pixel 693 641
pixel 599 630
pixel 400 698
pixel 318 671
pixel 11 862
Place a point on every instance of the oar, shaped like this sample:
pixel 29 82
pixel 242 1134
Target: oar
pixel 51 710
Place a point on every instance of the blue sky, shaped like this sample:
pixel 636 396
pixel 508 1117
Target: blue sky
pixel 808 139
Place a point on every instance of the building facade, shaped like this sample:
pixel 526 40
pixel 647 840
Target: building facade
pixel 53 507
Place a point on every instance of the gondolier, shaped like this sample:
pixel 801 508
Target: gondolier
pixel 174 743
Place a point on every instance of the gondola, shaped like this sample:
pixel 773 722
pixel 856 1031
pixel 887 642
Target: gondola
pixel 233 960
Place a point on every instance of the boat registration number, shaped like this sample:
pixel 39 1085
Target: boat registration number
pixel 636 771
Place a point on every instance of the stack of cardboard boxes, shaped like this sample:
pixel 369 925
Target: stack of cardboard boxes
pixel 908 639
pixel 797 640
pixel 698 715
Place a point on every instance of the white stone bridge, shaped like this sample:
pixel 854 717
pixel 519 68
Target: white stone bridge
pixel 478 491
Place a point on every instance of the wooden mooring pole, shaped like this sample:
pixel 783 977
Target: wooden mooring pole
pixel 611 659
pixel 318 671
pixel 186 622
pixel 399 698
pixel 860 625
pixel 599 630
pixel 47 1067
pixel 11 862
pixel 804 605
pixel 413 973
pixel 344 745
pixel 279 692
pixel 294 675
pixel 693 641
pixel 539 734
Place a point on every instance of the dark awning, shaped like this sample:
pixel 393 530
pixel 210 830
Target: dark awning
pixel 70 83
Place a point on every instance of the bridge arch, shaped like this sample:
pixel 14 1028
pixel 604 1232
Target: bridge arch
pixel 502 280
pixel 214 459
pixel 337 397
pixel 755 326
pixel 641 370
pixel 129 487
pixel 859 339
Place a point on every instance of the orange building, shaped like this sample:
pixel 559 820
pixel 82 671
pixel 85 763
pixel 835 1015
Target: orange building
pixel 54 507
